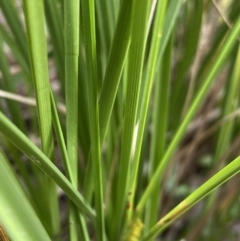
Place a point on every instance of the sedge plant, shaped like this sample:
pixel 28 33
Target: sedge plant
pixel 119 120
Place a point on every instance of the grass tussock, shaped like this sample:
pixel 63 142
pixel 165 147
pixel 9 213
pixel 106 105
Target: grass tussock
pixel 119 120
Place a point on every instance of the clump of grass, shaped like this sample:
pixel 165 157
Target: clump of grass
pixel 149 127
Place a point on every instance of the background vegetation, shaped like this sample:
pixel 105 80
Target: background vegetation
pixel 117 117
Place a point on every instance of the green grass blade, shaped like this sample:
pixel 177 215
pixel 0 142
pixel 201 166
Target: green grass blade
pixel 154 50
pixel 115 63
pixel 105 21
pixel 60 140
pixel 226 131
pixel 90 44
pixel 38 158
pixel 83 105
pixel 222 176
pixel 169 22
pixel 231 39
pixel 158 143
pixel 55 27
pixel 139 24
pixel 108 18
pixel 39 64
pixel 18 218
pixel 71 23
pixel 38 50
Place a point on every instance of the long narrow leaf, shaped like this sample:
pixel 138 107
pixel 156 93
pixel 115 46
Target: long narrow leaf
pixel 155 45
pixel 139 24
pixel 199 97
pixel 39 65
pixel 114 66
pixel 18 218
pixel 39 159
pixel 209 186
pixel 90 42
